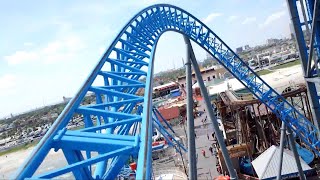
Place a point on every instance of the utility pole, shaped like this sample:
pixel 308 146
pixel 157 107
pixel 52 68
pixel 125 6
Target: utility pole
pixel 225 153
pixel 190 121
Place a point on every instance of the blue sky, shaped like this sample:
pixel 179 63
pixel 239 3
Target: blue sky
pixel 49 47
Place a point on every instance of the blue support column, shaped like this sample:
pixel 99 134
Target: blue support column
pixel 145 157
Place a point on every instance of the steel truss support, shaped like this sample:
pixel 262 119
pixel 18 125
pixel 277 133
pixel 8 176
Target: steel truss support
pixel 116 128
pixel 293 148
pixel 169 138
pixel 305 58
pixel 225 153
pixel 312 41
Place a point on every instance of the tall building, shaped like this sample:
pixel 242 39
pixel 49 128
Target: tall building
pixel 291 30
pixel 209 56
pixel 239 50
pixel 272 41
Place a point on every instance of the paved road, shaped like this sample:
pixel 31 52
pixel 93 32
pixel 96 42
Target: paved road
pixel 206 165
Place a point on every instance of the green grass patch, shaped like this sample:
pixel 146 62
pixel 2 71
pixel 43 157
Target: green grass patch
pixel 31 144
pixel 27 145
pixel 18 148
pixel 289 64
pixel 263 72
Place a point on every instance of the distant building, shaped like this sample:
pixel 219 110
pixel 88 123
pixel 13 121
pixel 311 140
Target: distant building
pixel 272 41
pixel 263 59
pixel 44 118
pixel 207 75
pixel 165 89
pixel 246 47
pixel 291 31
pixel 54 115
pixel 4 141
pixel 239 50
pixel 172 115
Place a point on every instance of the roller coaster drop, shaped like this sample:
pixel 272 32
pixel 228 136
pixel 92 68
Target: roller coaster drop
pixel 124 119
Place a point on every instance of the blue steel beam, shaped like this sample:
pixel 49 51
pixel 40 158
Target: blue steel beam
pixel 134 48
pixel 84 163
pixel 73 156
pixel 310 5
pixel 116 165
pixel 166 134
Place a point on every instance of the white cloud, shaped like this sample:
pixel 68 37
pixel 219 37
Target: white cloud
pixel 57 50
pixel 211 17
pixel 102 50
pixel 20 57
pixel 8 82
pixel 272 18
pixel 90 8
pixel 52 47
pixel 232 18
pixel 28 44
pixel 149 1
pixel 61 24
pixel 71 43
pixel 284 4
pixel 249 20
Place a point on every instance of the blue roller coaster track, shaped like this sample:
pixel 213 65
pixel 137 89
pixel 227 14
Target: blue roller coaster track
pixel 125 120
